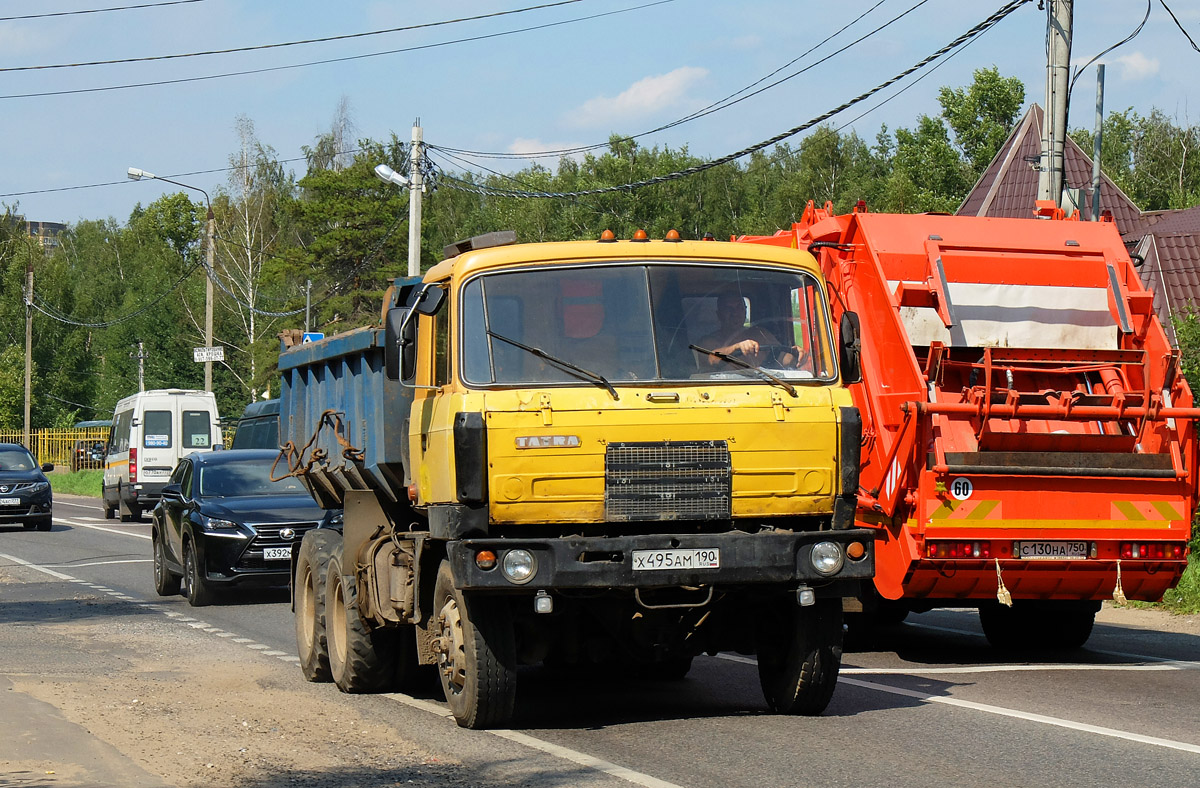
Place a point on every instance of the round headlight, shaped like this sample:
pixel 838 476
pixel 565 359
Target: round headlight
pixel 826 557
pixel 519 566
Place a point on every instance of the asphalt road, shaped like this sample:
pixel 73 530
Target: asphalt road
pixel 931 704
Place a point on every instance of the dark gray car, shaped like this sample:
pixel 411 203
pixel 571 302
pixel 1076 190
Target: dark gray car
pixel 25 495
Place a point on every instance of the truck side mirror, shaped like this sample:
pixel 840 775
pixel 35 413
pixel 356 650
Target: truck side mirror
pixel 850 350
pixel 392 339
pixel 430 299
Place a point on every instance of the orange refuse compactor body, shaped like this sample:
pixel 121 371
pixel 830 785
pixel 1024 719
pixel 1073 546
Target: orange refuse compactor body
pixel 1026 429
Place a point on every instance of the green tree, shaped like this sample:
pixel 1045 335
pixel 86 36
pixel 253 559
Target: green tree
pixel 982 115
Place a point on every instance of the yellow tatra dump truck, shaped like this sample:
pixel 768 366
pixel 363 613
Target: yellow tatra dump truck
pixel 619 452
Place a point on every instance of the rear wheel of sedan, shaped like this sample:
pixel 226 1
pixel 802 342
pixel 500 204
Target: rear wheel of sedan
pixel 195 587
pixel 312 568
pixel 361 659
pixel 165 583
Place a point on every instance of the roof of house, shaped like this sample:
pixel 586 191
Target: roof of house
pixel 1009 186
pixel 1168 241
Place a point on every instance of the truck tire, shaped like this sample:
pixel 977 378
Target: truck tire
pixel 799 655
pixel 1038 625
pixel 165 583
pixel 360 659
pixel 476 654
pixel 195 587
pixel 312 565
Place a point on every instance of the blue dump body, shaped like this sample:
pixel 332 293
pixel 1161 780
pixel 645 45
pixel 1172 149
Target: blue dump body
pixel 344 373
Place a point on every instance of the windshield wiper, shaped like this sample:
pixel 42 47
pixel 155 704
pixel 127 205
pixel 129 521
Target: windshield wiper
pixel 788 387
pixel 580 372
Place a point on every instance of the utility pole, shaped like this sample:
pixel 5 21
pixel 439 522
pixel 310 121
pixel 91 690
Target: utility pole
pixel 141 360
pixel 1058 81
pixel 1096 145
pixel 307 302
pixel 416 185
pixel 209 234
pixel 28 345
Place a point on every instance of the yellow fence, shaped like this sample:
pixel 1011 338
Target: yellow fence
pixel 70 449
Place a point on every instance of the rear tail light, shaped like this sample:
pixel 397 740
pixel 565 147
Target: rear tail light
pixel 1159 551
pixel 948 549
pixel 132 464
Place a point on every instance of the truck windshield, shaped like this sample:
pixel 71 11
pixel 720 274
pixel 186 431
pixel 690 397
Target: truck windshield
pixel 646 322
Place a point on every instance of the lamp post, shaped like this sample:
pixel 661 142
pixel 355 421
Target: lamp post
pixel 209 234
pixel 416 187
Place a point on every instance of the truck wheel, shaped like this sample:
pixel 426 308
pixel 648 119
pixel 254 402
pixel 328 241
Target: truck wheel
pixel 360 659
pixel 799 654
pixel 195 588
pixel 312 564
pixel 476 654
pixel 1038 625
pixel 165 583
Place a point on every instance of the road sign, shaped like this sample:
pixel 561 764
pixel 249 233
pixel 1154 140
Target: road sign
pixel 311 336
pixel 208 354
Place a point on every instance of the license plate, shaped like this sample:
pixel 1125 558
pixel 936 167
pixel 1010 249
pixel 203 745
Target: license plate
pixel 277 553
pixel 700 558
pixel 1051 551
pixel 9 501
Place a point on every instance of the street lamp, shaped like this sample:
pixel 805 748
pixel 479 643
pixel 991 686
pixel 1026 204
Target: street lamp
pixel 416 186
pixel 136 174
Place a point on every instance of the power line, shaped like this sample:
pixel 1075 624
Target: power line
pixel 1175 19
pixel 975 31
pixel 303 42
pixel 246 72
pixel 55 314
pixel 716 106
pixel 96 10
pixel 1079 71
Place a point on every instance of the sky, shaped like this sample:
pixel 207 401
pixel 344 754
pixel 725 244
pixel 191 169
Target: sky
pixel 592 69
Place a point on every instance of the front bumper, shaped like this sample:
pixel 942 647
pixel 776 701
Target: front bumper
pixel 34 507
pixel 774 558
pixel 236 557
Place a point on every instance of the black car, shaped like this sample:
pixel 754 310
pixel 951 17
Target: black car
pixel 222 523
pixel 25 495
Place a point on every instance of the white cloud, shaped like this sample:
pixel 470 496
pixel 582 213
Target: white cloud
pixel 526 145
pixel 1136 66
pixel 17 39
pixel 644 97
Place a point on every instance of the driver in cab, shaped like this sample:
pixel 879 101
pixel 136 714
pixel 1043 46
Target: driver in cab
pixel 752 344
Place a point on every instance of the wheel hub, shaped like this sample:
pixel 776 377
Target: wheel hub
pixel 450 647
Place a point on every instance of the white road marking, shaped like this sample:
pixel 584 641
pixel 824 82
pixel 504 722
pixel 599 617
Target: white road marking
pixel 558 751
pixel 920 670
pixel 103 563
pixel 1000 710
pixel 42 569
pixel 80 505
pixel 1027 716
pixel 1105 652
pixel 583 759
pixel 76 524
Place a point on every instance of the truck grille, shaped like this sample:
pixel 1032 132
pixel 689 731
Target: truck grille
pixel 685 480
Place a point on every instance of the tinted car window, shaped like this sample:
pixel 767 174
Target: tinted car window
pixel 16 460
pixel 196 429
pixel 250 477
pixel 156 429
